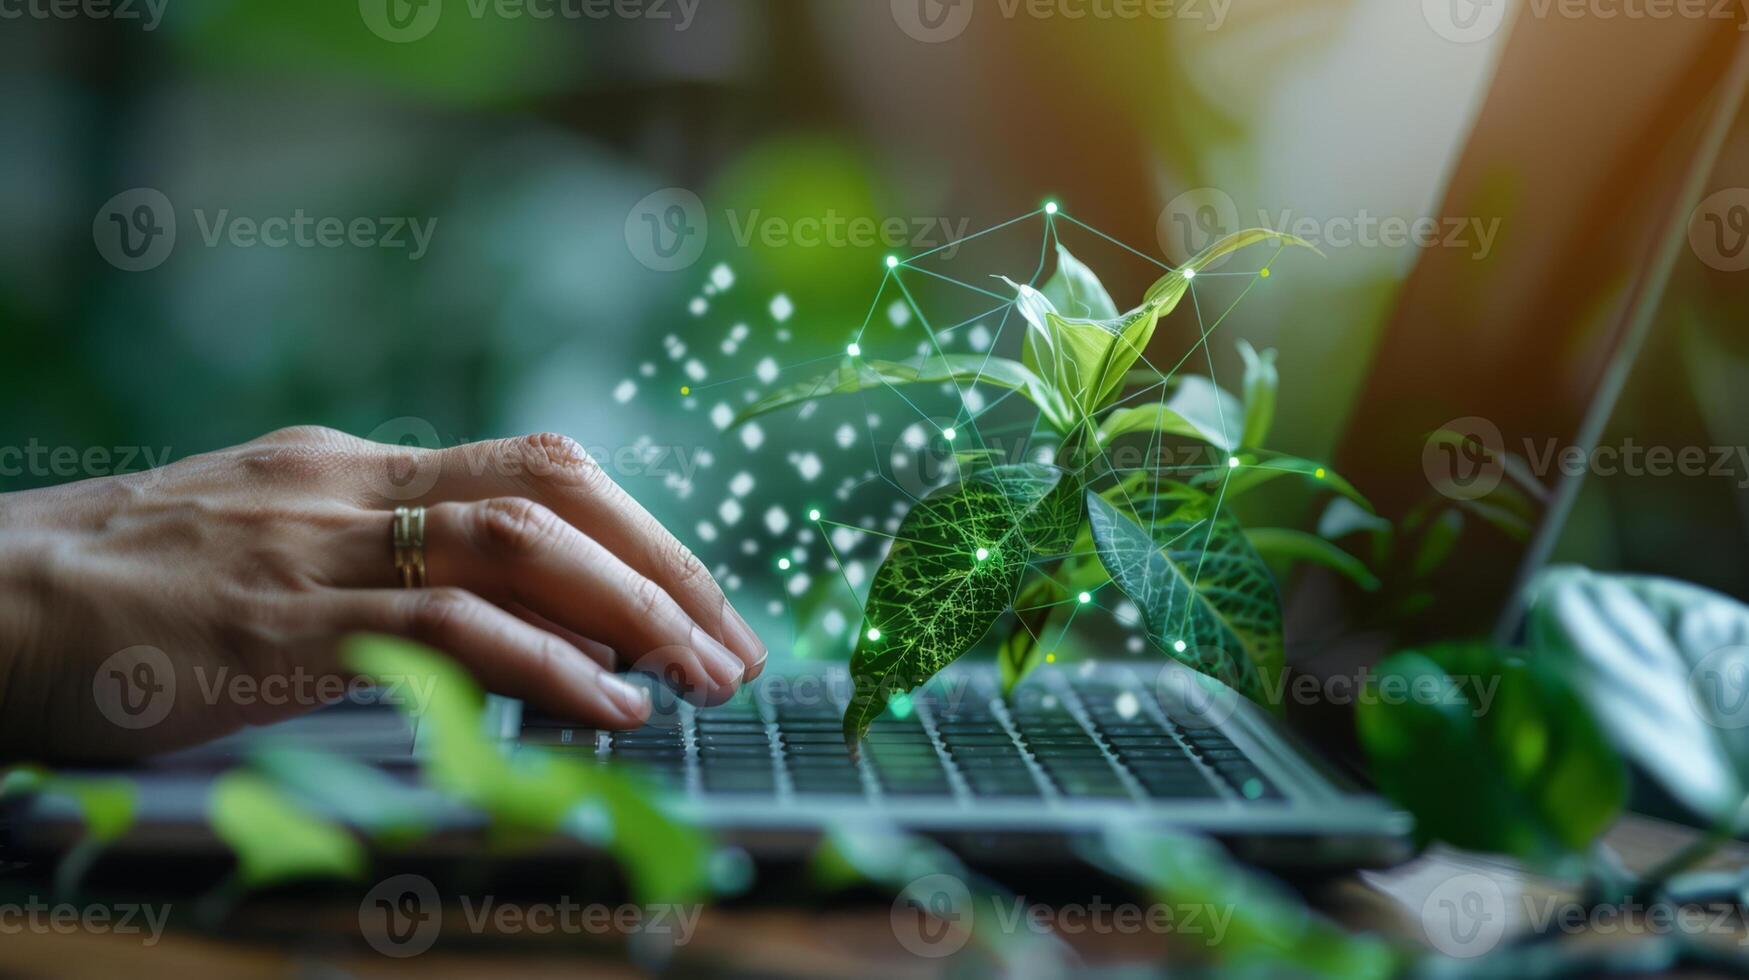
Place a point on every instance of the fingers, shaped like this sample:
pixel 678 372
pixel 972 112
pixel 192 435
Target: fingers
pixel 554 471
pixel 517 551
pixel 506 654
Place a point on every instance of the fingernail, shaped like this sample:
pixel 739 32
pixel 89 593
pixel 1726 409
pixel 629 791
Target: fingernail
pixel 724 667
pixel 743 639
pixel 634 699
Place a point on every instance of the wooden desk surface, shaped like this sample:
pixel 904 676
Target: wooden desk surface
pixel 796 942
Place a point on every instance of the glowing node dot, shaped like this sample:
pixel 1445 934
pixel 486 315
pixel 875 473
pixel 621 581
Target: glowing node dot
pixel 686 389
pixel 854 350
pixel 1050 207
pixel 873 634
pixel 783 563
pixel 892 261
pixel 1085 598
pixel 1050 658
pixel 1232 462
pixel 1264 273
pixel 949 433
pixel 983 553
pixel 1178 645
pixel 1190 273
pixel 1319 472
pixel 814 515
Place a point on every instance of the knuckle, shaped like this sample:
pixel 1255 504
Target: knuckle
pixel 647 602
pixel 558 458
pixel 437 613
pixel 686 567
pixel 514 526
pixel 287 462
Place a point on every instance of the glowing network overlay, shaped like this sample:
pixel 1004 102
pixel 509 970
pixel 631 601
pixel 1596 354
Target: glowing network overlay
pixel 964 432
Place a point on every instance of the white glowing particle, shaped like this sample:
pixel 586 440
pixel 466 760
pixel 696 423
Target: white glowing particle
pixel 722 276
pixel 624 392
pixel 809 467
pixel 647 369
pixel 854 573
pixel 799 584
pixel 722 415
pixel 730 511
pixel 695 370
pixel 741 484
pixel 707 531
pixel 913 436
pixel 1178 645
pixel 752 436
pixel 979 337
pixel 899 313
pixel 845 538
pixel 845 436
pixel 766 371
pixel 1126 705
pixel 739 332
pixel 698 306
pixel 833 622
pixel 781 308
pixel 776 521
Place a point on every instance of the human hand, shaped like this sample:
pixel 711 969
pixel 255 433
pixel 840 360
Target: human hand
pixel 252 563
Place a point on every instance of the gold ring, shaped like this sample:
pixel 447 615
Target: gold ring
pixel 410 546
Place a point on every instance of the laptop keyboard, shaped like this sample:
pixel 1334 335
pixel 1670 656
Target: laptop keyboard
pixel 1082 738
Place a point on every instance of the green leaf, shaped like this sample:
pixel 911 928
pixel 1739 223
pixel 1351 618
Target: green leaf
pixel 1075 291
pixel 1171 287
pixel 1287 545
pixel 277 841
pixel 1664 665
pixel 1269 933
pixel 1198 409
pixel 1344 517
pixel 934 597
pixel 1259 466
pixel 1437 543
pixel 533 794
pixel 861 374
pixel 359 795
pixel 1197 581
pixel 107 805
pixel 1490 751
pixel 1261 382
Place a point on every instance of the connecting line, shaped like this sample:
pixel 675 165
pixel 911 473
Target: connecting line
pixel 827 539
pixel 956 282
pixel 1220 411
pixel 873 305
pixel 894 537
pixel 1213 519
pixel 976 235
pixel 1101 234
pixel 698 389
pixel 1223 317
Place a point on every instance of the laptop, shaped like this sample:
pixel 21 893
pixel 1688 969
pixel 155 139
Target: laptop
pixel 1089 746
